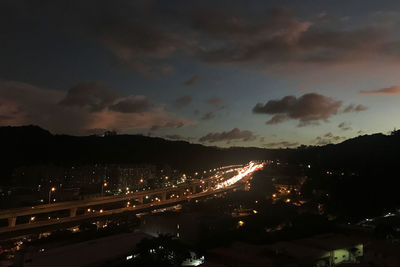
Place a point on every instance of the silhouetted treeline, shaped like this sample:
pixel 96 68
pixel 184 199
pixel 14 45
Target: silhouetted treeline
pixel 30 145
pixel 357 178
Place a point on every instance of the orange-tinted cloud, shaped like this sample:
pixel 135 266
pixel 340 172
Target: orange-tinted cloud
pixel 392 90
pixel 81 110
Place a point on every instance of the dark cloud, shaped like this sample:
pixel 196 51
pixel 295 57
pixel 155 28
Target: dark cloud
pixel 140 37
pixel 192 80
pixel 144 37
pixel 308 109
pixel 169 124
pixel 208 116
pixel 280 37
pixel 234 134
pixel 328 138
pixel 215 101
pixel 182 101
pixel 79 112
pixel 217 105
pixel 282 144
pixel 345 126
pixel 392 90
pixel 132 104
pixel 277 119
pixel 354 108
pixel 96 96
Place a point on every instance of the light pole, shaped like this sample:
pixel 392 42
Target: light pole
pixel 51 190
pixel 102 187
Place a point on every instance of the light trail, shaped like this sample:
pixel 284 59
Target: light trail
pixel 243 172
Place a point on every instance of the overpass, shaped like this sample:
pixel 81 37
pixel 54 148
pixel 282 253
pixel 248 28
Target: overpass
pixel 89 208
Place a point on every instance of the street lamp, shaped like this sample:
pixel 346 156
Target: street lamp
pixel 51 190
pixel 102 187
pixel 105 184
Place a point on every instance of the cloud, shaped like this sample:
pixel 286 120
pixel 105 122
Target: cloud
pixel 208 116
pixel 80 110
pixel 182 101
pixel 328 138
pixel 139 37
pixel 279 37
pixel 170 124
pixel 282 144
pixel 345 126
pixel 354 108
pixel 216 106
pixel 234 134
pixel 132 104
pixel 392 90
pixel 24 103
pixel 144 37
pixel 278 119
pixel 192 80
pixel 94 95
pixel 97 97
pixel 215 101
pixel 177 137
pixel 309 108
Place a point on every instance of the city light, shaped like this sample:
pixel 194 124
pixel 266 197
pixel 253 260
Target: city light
pixel 243 172
pixel 50 191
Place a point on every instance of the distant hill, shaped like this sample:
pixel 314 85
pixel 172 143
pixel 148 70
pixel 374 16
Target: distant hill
pixel 29 145
pixel 359 177
pixel 367 152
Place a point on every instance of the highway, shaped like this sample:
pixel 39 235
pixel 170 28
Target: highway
pixel 183 192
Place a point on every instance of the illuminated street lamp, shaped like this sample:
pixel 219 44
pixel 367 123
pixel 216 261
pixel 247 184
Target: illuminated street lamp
pixel 102 187
pixel 51 190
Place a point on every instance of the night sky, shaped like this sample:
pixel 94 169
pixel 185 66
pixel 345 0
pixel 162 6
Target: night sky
pixel 225 73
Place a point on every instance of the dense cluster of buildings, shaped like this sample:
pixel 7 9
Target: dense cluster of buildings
pixel 32 184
